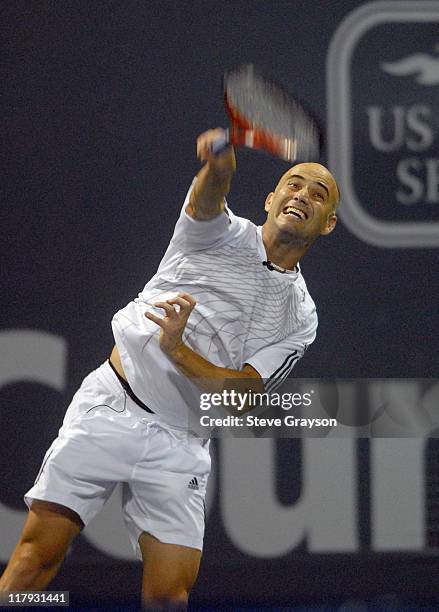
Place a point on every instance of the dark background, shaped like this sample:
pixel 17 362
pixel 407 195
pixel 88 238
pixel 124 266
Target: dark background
pixel 102 103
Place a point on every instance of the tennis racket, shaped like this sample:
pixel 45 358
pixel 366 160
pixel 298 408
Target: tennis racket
pixel 263 116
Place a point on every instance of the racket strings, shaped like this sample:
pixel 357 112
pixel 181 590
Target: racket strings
pixel 265 106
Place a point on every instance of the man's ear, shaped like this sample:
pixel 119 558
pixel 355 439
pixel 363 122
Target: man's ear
pixel 268 200
pixel 330 224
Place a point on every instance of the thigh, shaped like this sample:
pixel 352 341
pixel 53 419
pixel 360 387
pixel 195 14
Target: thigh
pixel 48 532
pixel 169 570
pixel 53 523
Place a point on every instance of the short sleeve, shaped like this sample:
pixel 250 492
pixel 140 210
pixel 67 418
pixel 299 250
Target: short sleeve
pixel 275 361
pixel 197 235
pixel 193 235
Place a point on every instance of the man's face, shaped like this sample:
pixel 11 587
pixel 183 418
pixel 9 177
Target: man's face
pixel 303 203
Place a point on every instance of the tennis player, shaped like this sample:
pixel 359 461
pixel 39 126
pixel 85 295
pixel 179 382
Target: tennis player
pixel 228 301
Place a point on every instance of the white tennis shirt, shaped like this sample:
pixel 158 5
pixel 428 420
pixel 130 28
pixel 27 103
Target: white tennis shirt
pixel 245 313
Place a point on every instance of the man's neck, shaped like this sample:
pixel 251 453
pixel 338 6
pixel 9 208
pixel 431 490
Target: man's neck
pixel 282 250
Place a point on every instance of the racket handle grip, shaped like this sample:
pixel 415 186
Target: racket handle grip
pixel 221 144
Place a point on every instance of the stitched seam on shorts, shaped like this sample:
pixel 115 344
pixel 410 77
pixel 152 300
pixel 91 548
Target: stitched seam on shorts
pixel 43 466
pixel 110 407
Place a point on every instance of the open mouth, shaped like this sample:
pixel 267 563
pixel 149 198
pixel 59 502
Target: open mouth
pixel 295 212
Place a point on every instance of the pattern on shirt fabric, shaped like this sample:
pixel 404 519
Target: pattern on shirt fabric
pixel 245 313
pixel 237 297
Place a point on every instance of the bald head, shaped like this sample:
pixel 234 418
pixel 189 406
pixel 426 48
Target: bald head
pixel 318 174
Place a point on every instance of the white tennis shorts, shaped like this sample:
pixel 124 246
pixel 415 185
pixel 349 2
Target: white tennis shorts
pixel 106 438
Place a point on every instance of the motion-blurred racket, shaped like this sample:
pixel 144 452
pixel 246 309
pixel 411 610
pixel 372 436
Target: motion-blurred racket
pixel 263 116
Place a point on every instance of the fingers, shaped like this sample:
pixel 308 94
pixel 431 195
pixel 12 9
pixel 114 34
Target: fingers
pixel 170 310
pixel 187 296
pixel 185 301
pixel 155 318
pixel 171 314
pixel 205 141
pixel 184 304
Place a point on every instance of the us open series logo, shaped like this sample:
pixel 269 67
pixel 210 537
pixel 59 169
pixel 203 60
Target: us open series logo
pixel 383 122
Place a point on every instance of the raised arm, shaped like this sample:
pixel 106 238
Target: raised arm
pixel 214 178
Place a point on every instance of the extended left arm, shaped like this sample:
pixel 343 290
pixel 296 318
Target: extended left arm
pixel 205 374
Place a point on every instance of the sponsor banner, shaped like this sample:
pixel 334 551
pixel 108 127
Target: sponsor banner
pixel 383 122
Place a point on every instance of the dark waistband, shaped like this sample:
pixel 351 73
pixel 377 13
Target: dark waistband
pixel 128 389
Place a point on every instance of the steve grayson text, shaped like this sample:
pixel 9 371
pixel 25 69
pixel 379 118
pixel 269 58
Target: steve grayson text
pixel 256 421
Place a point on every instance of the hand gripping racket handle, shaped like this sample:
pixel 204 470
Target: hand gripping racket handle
pixel 221 144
